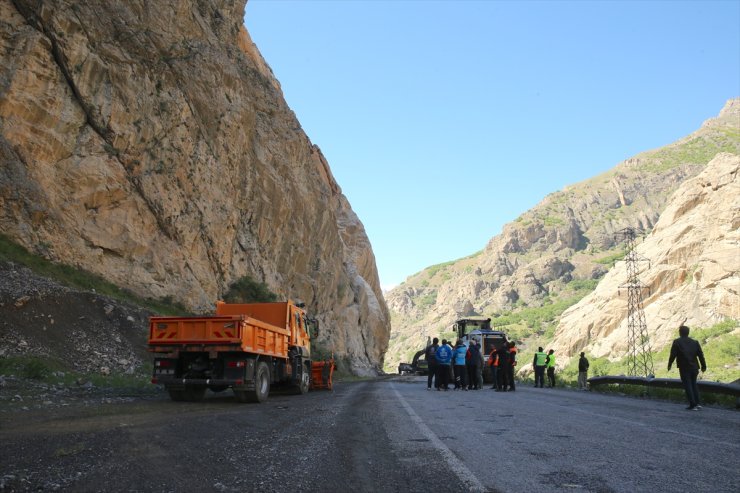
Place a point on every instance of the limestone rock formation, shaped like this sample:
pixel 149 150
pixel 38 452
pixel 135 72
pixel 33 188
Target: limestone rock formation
pixel 151 144
pixel 693 275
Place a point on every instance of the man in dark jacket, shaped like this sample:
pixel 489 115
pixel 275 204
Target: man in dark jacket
pixel 474 362
pixel 686 351
pixel 582 371
pixel 430 356
pixel 504 368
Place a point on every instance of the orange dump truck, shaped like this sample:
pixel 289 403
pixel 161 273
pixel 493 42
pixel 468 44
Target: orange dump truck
pixel 245 347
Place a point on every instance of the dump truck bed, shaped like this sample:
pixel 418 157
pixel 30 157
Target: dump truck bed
pixel 217 333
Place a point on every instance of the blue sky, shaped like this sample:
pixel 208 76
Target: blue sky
pixel 444 120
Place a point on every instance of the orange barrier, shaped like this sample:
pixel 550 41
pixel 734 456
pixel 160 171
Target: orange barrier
pixel 321 373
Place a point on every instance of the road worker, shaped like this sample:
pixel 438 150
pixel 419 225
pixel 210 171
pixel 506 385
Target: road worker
pixel 444 357
pixel 493 363
pixel 550 363
pixel 461 350
pixel 539 365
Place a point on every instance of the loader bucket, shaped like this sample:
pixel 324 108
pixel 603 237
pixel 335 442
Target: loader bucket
pixel 321 373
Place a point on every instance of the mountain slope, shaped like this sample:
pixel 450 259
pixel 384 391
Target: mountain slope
pixel 554 254
pixel 153 146
pixel 693 274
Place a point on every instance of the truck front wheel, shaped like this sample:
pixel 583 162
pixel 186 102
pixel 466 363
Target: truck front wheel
pixel 305 382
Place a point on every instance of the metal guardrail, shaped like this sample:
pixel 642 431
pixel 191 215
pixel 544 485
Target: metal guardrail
pixel 671 383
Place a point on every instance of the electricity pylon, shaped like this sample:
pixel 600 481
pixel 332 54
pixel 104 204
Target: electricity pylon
pixel 639 351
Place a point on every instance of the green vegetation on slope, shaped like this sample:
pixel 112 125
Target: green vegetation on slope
pixel 81 279
pixel 720 343
pixel 55 371
pixel 526 321
pixel 247 290
pixel 698 150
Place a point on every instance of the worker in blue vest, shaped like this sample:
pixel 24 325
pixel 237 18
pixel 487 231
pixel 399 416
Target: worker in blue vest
pixel 444 357
pixel 460 351
pixel 539 364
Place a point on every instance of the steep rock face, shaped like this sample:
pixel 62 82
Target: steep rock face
pixel 568 240
pixel 694 254
pixel 152 145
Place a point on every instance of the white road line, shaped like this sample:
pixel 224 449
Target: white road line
pixel 462 472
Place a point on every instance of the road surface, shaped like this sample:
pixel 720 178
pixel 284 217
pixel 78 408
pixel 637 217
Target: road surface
pixel 382 435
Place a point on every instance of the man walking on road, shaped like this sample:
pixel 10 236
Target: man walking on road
pixel 431 358
pixel 582 371
pixel 539 367
pixel 686 351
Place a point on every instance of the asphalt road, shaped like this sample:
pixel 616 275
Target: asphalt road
pixel 383 435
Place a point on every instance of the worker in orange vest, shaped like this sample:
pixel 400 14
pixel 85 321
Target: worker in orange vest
pixel 493 363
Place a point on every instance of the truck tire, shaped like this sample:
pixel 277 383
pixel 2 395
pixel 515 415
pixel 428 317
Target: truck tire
pixel 305 384
pixel 261 386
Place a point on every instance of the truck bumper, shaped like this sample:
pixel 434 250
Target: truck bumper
pixel 180 383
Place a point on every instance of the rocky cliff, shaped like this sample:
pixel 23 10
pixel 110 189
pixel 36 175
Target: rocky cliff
pixel 555 253
pixel 693 273
pixel 150 143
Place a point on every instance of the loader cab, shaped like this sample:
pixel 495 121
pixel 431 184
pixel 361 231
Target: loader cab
pixel 479 328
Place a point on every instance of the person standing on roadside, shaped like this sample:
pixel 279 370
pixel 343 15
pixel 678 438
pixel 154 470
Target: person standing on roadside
pixel 430 356
pixel 550 364
pixel 582 371
pixel 444 357
pixel 493 363
pixel 504 368
pixel 461 351
pixel 539 364
pixel 474 360
pixel 481 362
pixel 512 365
pixel 686 351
